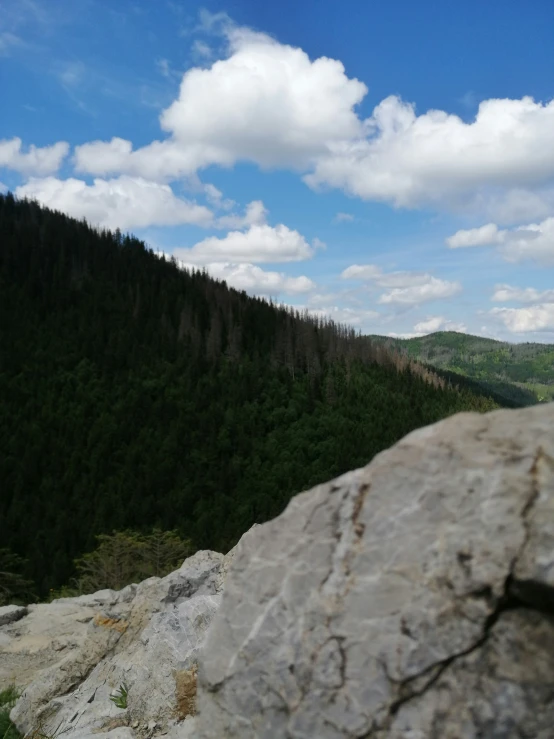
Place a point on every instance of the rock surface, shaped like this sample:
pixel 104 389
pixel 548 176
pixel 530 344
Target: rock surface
pixel 72 654
pixel 8 614
pixel 46 633
pixel 411 599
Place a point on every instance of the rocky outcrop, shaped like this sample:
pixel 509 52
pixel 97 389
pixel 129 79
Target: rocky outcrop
pixel 410 599
pixel 71 655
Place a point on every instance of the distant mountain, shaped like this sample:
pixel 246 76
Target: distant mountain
pixel 135 394
pixel 523 373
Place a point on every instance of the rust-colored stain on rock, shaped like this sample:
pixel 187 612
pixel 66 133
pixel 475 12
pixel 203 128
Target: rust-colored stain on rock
pixel 111 623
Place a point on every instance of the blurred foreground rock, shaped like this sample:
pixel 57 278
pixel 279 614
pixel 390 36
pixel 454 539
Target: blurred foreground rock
pixel 410 599
pixel 413 598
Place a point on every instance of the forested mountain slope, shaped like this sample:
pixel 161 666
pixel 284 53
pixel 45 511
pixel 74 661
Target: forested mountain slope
pixel 134 394
pixel 523 373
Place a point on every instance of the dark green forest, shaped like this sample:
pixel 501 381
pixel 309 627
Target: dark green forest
pixel 522 373
pixel 135 395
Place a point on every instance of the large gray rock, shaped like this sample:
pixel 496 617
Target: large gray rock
pixel 145 637
pixel 410 599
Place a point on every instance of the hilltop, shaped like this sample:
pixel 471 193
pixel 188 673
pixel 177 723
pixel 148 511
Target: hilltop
pixel 523 373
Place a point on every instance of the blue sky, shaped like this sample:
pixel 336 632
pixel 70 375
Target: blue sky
pixel 388 164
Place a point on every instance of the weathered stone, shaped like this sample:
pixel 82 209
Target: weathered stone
pixel 50 632
pixel 490 691
pixel 141 641
pixel 410 599
pixel 9 614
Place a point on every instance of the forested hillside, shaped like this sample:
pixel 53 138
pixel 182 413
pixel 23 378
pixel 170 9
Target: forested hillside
pixel 523 373
pixel 135 394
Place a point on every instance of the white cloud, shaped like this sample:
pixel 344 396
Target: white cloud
pixel 37 161
pixel 215 198
pixel 520 320
pixel 254 280
pixel 508 293
pixel 513 205
pixel 432 289
pixel 267 103
pixel 362 272
pixel 437 159
pixel 259 243
pixel 157 161
pixel 439 323
pixel 254 215
pixel 483 236
pixel 342 217
pixel 250 277
pixel 532 241
pixel 404 288
pixel 125 202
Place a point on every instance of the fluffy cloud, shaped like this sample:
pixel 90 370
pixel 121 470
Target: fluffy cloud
pixel 259 243
pixel 438 159
pixel 160 161
pixel 37 161
pixel 267 103
pixel 270 104
pixel 520 320
pixel 483 236
pixel 439 323
pixel 253 279
pixel 508 293
pixel 404 288
pixel 125 202
pixel 533 241
pixel 432 289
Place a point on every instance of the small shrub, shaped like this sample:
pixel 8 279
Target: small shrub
pixel 119 698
